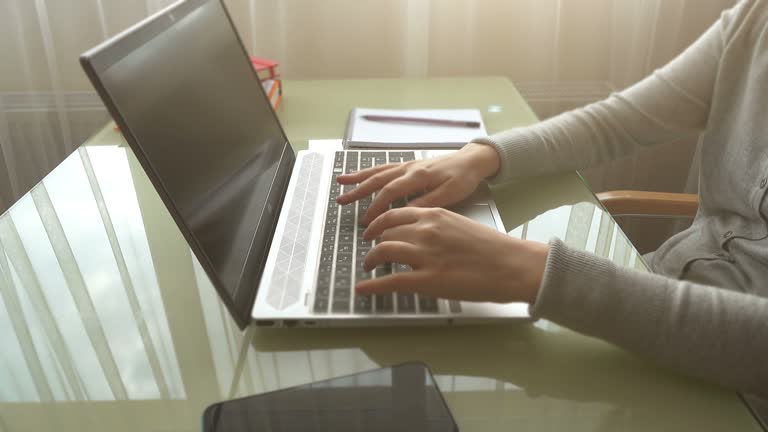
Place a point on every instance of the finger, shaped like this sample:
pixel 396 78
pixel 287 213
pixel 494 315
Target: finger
pixel 406 282
pixel 363 174
pixel 403 233
pixel 369 186
pixel 390 219
pixel 393 251
pixel 439 197
pixel 397 188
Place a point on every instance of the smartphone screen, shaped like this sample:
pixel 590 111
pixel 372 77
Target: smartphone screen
pixel 401 398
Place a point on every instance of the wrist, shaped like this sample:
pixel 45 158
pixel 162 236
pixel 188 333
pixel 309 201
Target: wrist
pixel 485 159
pixel 539 256
pixel 528 266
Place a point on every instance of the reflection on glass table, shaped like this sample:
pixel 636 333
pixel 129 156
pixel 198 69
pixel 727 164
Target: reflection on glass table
pixel 101 300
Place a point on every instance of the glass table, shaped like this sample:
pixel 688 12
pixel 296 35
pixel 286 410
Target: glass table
pixel 107 319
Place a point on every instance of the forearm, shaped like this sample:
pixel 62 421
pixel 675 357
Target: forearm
pixel 705 331
pixel 673 102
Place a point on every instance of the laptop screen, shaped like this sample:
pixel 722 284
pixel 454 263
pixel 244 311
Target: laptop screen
pixel 199 121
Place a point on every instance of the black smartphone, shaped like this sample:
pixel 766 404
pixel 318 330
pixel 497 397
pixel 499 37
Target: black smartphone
pixel 403 398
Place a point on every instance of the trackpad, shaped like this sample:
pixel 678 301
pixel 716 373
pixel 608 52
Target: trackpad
pixel 479 212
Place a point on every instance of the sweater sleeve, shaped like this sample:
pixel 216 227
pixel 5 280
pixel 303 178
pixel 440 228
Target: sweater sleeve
pixel 708 332
pixel 671 103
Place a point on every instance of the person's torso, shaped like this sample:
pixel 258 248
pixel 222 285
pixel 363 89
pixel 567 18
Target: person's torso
pixel 727 245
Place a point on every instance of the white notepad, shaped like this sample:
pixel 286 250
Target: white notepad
pixel 363 133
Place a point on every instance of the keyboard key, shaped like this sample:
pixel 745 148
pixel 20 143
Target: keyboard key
pixel 406 303
pixel 384 303
pixel 346 229
pixel 383 270
pixel 342 294
pixel 344 258
pixel 363 275
pixel 346 238
pixel 408 156
pixel 343 269
pixel 326 258
pixel 363 304
pixel 427 304
pixel 340 306
pixel 360 257
pixel 323 290
pixel 321 305
pixel 342 282
pixel 351 163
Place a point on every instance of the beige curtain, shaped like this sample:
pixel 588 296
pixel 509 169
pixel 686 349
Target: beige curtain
pixel 560 53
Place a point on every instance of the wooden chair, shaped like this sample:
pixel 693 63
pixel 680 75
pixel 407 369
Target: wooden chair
pixel 650 218
pixel 650 204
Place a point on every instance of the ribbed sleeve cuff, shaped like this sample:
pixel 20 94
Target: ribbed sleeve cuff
pixel 521 154
pixel 570 279
pixel 592 295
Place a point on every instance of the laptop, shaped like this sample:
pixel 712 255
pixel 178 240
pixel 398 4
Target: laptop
pixel 261 219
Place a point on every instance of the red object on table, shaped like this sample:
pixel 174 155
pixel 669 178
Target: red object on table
pixel 265 65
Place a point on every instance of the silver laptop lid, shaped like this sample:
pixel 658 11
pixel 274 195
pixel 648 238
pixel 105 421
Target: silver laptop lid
pixel 182 89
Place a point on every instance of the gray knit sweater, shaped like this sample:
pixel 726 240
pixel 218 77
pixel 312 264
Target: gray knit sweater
pixel 706 310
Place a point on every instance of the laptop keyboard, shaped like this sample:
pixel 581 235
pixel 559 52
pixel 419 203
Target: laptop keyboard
pixel 343 249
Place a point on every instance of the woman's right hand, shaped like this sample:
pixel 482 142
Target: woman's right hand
pixel 440 182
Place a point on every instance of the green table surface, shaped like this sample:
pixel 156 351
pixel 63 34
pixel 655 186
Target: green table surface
pixel 107 321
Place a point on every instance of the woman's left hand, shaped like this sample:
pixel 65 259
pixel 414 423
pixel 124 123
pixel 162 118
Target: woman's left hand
pixel 452 257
